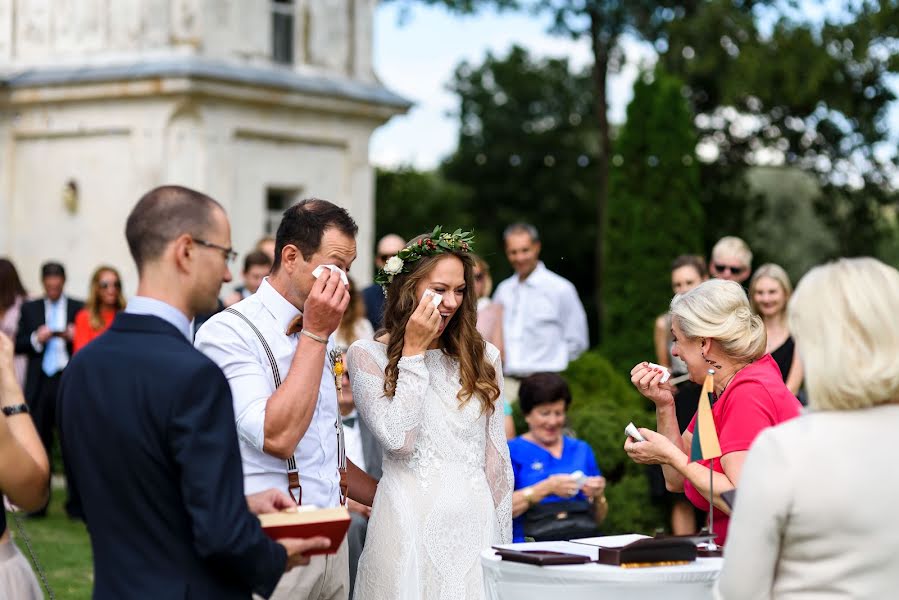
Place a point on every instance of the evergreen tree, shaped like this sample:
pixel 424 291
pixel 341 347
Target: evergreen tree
pixel 654 214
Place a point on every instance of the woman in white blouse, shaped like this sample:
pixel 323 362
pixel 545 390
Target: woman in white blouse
pixel 815 514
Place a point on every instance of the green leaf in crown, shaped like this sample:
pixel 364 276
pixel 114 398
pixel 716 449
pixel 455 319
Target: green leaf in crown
pixel 436 243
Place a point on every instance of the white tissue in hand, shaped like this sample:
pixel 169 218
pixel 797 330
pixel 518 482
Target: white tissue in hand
pixel 632 431
pixel 665 372
pixel 580 478
pixel 321 269
pixel 436 298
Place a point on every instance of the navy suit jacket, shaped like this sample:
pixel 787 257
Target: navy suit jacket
pixel 30 319
pixel 373 297
pixel 150 446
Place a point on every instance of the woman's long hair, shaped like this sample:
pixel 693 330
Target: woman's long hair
pixel 10 285
pixel 460 340
pixel 94 305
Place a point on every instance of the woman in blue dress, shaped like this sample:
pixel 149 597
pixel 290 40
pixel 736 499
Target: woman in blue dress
pixel 559 489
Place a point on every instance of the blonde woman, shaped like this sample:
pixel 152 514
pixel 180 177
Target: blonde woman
pixel 769 292
pixel 816 510
pixel 713 328
pixel 104 302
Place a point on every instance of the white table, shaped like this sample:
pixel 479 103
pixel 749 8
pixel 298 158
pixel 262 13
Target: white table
pixel 506 580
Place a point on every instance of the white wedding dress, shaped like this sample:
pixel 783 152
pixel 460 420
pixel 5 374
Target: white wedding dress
pixel 446 492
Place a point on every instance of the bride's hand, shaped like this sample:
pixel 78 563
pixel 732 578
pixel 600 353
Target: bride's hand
pixel 648 382
pixel 422 327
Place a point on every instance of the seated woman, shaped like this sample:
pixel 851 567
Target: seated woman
pixel 546 465
pixel 714 329
pixel 769 292
pixel 24 476
pixel 104 302
pixel 816 510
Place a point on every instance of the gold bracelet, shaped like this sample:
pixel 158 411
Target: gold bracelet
pixel 602 499
pixel 529 495
pixel 317 338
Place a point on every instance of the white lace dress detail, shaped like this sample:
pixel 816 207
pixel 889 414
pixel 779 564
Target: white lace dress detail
pixel 446 493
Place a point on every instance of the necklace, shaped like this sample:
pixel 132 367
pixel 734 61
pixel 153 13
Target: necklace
pixel 729 379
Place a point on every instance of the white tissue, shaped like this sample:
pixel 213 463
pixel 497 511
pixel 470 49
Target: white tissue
pixel 436 298
pixel 580 478
pixel 666 374
pixel 321 269
pixel 631 430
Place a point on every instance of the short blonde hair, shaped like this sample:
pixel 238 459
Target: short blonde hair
pixel 719 309
pixel 733 246
pixel 771 271
pixel 843 316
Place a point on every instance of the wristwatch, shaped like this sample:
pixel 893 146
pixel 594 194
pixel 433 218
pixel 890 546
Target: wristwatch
pixel 15 409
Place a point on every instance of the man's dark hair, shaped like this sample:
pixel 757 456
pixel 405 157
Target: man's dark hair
pixel 52 269
pixel 256 258
pixel 691 260
pixel 161 215
pixel 304 224
pixel 542 388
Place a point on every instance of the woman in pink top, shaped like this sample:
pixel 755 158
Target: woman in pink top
pixel 713 328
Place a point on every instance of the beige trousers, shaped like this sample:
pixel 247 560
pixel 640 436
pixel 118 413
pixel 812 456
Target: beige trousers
pixel 326 577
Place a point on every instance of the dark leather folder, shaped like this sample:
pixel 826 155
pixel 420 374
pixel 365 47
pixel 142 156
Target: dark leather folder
pixel 542 557
pixel 650 552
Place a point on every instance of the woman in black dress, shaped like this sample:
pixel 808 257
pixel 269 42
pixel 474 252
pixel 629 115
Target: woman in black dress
pixel 769 293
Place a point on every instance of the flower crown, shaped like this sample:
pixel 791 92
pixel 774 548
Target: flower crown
pixel 436 243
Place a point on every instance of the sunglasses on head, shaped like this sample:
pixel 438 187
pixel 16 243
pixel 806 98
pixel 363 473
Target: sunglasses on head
pixel 107 284
pixel 734 270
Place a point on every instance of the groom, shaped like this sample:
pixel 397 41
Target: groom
pixel 292 426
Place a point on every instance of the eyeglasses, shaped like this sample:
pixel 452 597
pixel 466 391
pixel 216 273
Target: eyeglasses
pixel 104 285
pixel 734 270
pixel 229 253
pixel 386 257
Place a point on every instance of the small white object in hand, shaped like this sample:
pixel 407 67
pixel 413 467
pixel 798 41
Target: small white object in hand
pixel 321 269
pixel 436 298
pixel 666 374
pixel 631 430
pixel 579 478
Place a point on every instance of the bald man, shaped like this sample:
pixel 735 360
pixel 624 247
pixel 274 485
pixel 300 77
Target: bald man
pixel 373 295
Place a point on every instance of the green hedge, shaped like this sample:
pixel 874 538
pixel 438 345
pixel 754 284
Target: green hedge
pixel 604 402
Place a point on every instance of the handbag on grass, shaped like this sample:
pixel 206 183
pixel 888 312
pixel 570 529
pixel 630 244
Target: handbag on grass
pixel 564 520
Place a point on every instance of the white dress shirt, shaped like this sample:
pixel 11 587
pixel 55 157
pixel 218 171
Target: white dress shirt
pixel 235 348
pixel 56 321
pixel 353 438
pixel 544 323
pixel 142 305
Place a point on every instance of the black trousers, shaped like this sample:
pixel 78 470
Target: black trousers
pixel 43 411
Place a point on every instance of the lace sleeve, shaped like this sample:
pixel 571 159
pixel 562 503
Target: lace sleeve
pixel 497 464
pixel 393 421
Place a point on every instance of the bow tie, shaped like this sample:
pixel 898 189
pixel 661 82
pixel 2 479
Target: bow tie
pixel 349 422
pixel 295 326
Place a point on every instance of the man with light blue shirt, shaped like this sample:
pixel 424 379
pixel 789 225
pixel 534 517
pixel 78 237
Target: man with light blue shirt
pixel 147 428
pixel 544 323
pixel 276 349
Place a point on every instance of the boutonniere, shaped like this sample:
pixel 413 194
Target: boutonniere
pixel 337 367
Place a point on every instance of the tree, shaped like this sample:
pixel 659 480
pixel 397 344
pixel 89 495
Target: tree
pixel 604 23
pixel 526 147
pixel 654 214
pixel 411 202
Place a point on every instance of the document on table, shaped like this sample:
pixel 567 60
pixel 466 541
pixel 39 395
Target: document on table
pixel 611 541
pixel 591 552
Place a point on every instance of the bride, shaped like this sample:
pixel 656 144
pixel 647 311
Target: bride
pixel 428 388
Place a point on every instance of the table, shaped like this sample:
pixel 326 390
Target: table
pixel 505 580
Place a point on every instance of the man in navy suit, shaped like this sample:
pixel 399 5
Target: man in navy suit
pixel 45 337
pixel 147 428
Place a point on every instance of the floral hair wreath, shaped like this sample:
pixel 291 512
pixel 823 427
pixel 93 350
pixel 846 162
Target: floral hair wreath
pixel 436 243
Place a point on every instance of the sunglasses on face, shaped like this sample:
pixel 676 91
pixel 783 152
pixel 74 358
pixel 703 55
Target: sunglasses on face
pixel 108 284
pixel 385 257
pixel 734 270
pixel 478 276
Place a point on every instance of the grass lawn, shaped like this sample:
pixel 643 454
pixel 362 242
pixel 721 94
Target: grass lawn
pixel 63 548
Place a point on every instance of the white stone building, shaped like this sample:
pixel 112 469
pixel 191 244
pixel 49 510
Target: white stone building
pixel 258 103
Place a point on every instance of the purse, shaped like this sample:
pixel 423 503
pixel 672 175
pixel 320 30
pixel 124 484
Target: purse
pixel 563 520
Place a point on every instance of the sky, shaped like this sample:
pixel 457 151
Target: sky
pixel 415 55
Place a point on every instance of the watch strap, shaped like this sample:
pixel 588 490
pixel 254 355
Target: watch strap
pixel 15 409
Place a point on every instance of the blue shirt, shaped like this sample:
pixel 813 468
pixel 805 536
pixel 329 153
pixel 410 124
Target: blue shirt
pixel 532 464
